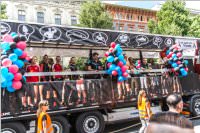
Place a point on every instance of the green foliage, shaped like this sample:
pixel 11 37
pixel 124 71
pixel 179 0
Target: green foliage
pixel 195 27
pixel 80 63
pixel 3 12
pixel 173 19
pixel 93 14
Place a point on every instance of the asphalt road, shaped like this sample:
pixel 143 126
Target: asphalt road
pixel 130 127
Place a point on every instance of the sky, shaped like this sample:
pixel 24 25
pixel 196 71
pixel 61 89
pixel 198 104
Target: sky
pixel 150 4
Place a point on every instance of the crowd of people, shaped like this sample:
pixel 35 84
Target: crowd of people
pixel 42 85
pixel 170 121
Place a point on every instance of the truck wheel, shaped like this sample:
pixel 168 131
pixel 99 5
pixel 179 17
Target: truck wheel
pixel 60 124
pixel 14 127
pixel 195 105
pixel 90 122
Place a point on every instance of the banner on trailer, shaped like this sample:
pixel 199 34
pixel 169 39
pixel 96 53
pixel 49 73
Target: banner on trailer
pixel 82 36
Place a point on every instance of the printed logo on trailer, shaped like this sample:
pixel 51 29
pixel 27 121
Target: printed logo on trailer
pixel 77 35
pixel 26 30
pixel 169 42
pixel 123 39
pixel 100 37
pixel 50 33
pixel 142 40
pixel 5 28
pixel 157 41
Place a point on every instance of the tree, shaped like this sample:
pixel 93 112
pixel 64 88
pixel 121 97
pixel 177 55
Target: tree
pixel 173 19
pixel 93 14
pixel 195 27
pixel 3 12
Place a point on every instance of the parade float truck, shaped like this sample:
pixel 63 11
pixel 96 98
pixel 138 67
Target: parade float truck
pixel 101 103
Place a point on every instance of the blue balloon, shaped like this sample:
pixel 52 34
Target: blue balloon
pixel 13 34
pixel 119 72
pixel 4 84
pixel 10 76
pixel 124 62
pixel 117 47
pixel 5 46
pixel 19 63
pixel 174 65
pixel 109 72
pixel 112 67
pixel 170 62
pixel 124 78
pixel 4 71
pixel 18 52
pixel 110 59
pixel 10 89
pixel 119 51
pixel 13 57
pixel 3 79
pixel 120 78
pixel 9 83
pixel 120 57
pixel 182 70
pixel 118 69
pixel 186 62
pixel 167 52
pixel 184 73
pixel 174 55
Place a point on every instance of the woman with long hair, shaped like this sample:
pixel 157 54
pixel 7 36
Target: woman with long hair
pixel 44 124
pixel 33 67
pixel 144 110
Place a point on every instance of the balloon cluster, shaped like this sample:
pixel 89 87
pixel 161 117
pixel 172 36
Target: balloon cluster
pixel 116 62
pixel 13 57
pixel 175 61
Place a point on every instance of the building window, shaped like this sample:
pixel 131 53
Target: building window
pixel 138 18
pixel 141 19
pixel 40 17
pixel 73 20
pixel 21 15
pixel 120 28
pixel 58 19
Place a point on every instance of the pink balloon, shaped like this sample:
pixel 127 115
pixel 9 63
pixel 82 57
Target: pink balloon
pixel 17 76
pixel 27 58
pixel 7 38
pixel 120 63
pixel 13 69
pixel 125 74
pixel 17 85
pixel 6 62
pixel 107 54
pixel 21 45
pixel 186 69
pixel 108 65
pixel 137 67
pixel 113 44
pixel 24 54
pixel 114 73
pixel 178 54
pixel 124 68
pixel 139 61
pixel 178 62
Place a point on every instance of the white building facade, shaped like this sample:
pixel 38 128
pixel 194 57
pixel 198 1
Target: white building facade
pixel 47 12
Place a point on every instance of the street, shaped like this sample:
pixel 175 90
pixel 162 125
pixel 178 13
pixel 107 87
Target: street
pixel 130 127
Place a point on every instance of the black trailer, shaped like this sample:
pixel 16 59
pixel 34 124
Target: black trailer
pixel 92 115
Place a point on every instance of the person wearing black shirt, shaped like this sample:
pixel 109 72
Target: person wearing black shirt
pixel 94 65
pixel 45 67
